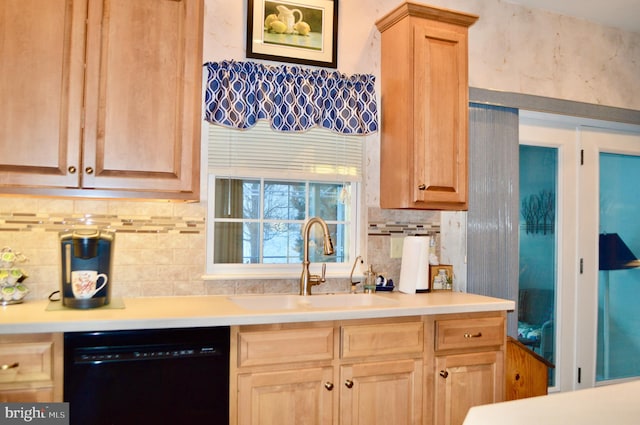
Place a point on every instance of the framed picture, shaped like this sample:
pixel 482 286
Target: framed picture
pixel 437 284
pixel 301 31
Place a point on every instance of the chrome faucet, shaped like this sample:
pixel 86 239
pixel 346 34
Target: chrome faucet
pixel 307 280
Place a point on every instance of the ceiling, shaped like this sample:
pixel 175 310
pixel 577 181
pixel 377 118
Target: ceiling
pixel 624 14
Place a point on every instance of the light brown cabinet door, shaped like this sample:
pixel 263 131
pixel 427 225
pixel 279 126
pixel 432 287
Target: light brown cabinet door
pixel 143 91
pixel 440 116
pixel 288 397
pixel 388 392
pixel 41 87
pixel 466 380
pixel 102 96
pixel 424 79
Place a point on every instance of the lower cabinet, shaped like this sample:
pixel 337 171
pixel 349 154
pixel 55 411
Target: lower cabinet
pixel 381 371
pixel 286 397
pixel 351 373
pixel 464 381
pixel 31 368
pixel 466 364
pixel 403 371
pixel 386 392
pixel 282 374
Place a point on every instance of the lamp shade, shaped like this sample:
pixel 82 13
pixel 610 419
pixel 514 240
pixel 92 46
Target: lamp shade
pixel 615 254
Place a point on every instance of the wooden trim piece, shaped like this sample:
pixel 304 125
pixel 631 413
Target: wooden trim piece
pixel 382 339
pixel 284 346
pixel 425 12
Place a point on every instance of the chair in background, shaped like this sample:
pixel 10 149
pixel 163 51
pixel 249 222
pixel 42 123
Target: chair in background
pixel 535 321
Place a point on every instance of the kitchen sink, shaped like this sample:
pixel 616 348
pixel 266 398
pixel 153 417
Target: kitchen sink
pixel 322 301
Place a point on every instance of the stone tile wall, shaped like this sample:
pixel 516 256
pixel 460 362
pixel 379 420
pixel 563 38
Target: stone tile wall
pixel 160 246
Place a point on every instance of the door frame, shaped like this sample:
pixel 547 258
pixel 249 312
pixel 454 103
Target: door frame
pixel 576 330
pixel 548 130
pixel 595 139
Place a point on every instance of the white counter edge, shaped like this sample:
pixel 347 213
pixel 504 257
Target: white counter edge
pixel 202 311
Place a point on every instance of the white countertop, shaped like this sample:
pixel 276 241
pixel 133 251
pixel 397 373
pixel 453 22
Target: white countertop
pixel 612 404
pixel 194 311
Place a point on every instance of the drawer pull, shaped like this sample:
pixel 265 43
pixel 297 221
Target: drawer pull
pixel 478 335
pixel 444 374
pixel 328 385
pixel 9 366
pixel 348 383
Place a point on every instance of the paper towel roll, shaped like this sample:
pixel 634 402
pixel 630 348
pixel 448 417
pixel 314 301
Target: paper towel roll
pixel 414 269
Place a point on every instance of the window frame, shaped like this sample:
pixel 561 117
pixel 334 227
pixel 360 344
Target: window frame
pixel 282 271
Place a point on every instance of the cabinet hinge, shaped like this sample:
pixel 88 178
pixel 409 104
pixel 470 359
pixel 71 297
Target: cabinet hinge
pixel 581 156
pixel 579 375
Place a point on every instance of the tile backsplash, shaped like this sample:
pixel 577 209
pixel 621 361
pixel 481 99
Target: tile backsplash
pixel 161 246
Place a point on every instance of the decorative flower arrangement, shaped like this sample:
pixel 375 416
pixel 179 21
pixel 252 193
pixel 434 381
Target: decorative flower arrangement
pixel 12 290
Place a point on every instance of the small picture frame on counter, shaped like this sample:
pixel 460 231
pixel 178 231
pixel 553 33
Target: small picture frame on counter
pixel 441 277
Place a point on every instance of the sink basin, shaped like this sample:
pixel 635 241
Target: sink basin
pixel 323 301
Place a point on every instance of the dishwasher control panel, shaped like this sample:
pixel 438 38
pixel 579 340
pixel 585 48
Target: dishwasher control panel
pixel 115 354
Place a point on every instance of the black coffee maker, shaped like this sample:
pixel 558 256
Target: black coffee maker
pixel 86 267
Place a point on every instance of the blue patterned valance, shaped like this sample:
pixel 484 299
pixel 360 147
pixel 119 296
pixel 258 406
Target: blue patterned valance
pixel 291 98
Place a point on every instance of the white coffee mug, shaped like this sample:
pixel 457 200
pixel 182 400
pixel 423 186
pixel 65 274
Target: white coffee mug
pixel 84 283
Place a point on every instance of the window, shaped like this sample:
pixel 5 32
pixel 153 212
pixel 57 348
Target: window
pixel 264 185
pixel 538 250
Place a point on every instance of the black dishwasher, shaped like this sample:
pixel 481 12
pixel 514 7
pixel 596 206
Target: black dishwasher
pixel 159 376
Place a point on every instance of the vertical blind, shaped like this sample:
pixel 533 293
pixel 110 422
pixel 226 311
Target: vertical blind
pixel 493 217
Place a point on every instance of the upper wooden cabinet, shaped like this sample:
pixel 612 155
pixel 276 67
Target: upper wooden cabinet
pixel 424 136
pixel 101 98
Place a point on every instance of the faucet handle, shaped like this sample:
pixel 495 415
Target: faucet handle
pixel 314 279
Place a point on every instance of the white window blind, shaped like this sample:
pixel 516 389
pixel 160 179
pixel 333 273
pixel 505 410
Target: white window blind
pixel 317 154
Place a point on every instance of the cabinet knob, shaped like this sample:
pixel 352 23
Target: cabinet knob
pixel 88 170
pixel 422 187
pixel 9 366
pixel 444 374
pixel 71 169
pixel 348 383
pixel 328 385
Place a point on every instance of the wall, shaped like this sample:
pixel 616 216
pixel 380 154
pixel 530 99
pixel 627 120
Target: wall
pixel 511 49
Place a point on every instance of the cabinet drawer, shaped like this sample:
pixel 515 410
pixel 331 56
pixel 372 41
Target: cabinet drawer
pixel 382 339
pixel 26 362
pixel 265 347
pixel 469 333
pixel 39 395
